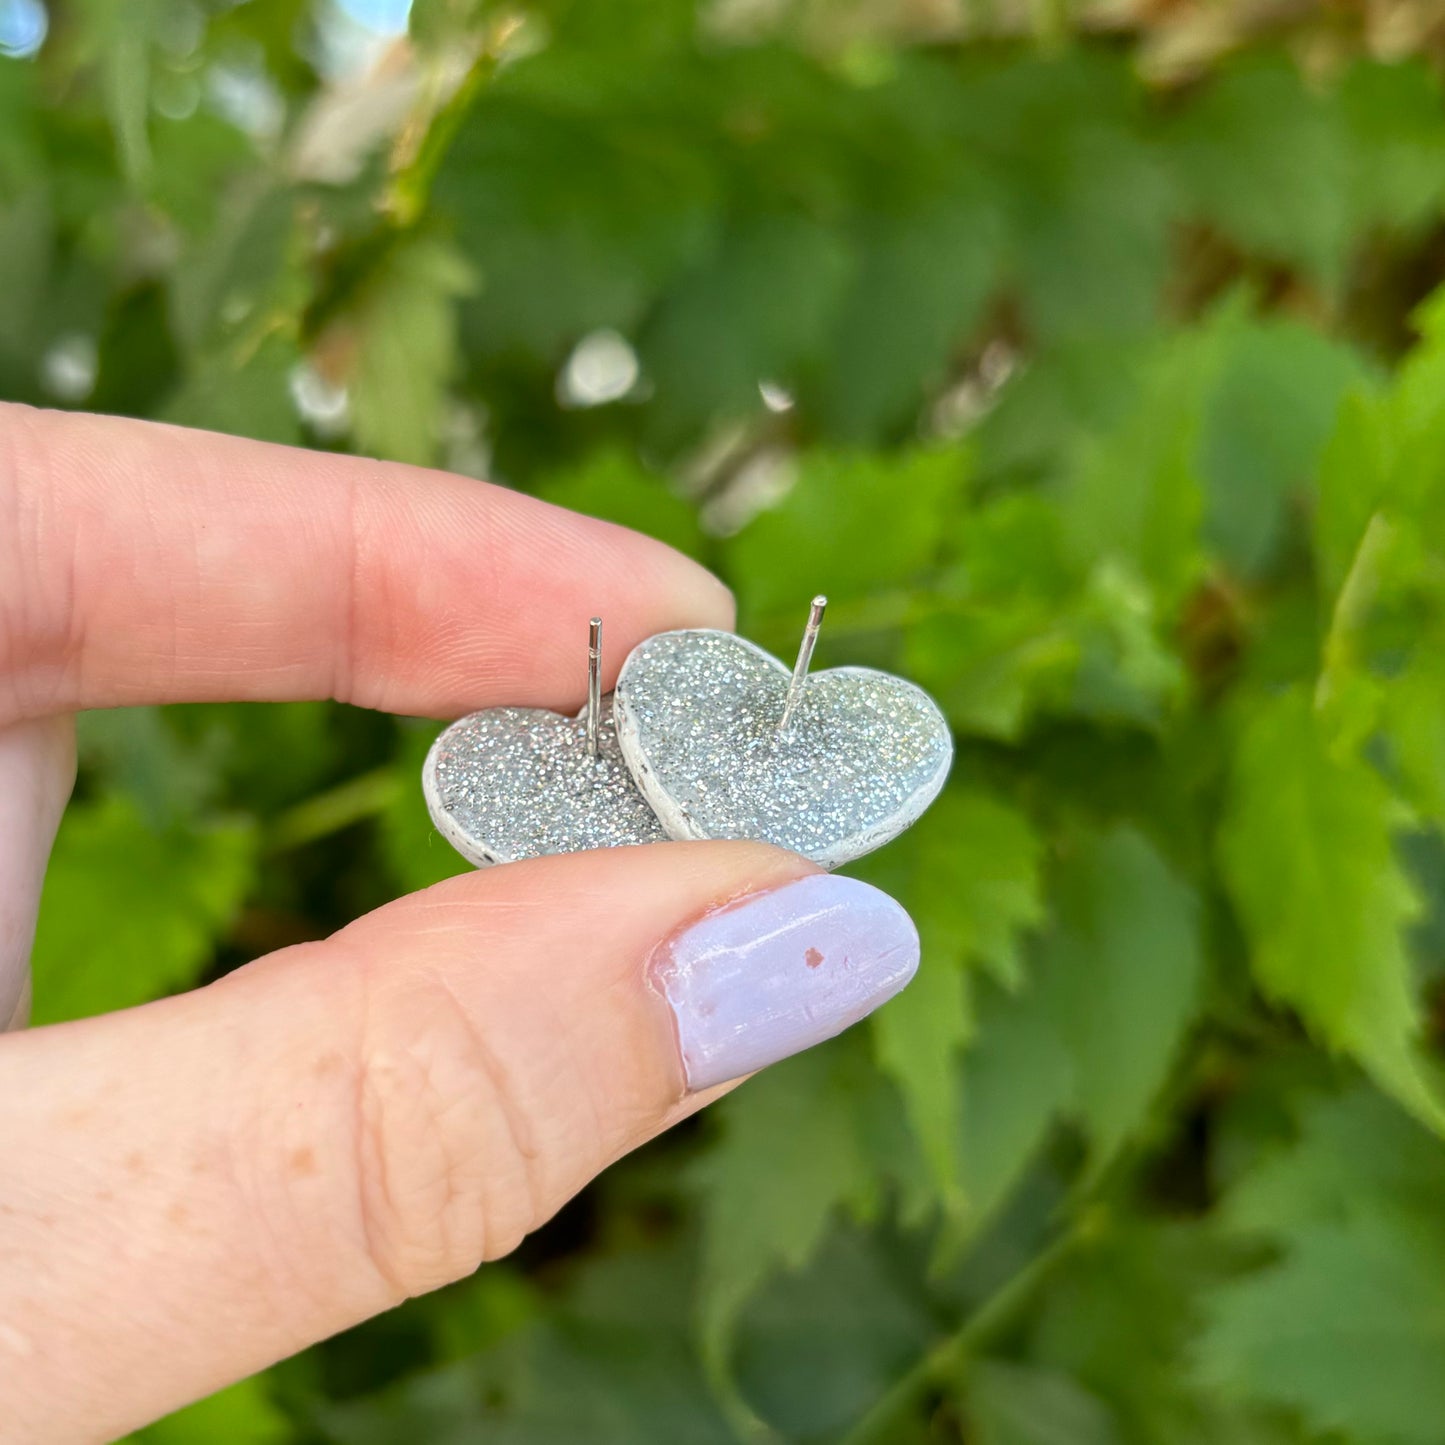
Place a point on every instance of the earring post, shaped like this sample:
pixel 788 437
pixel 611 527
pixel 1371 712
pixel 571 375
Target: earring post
pixel 594 683
pixel 805 658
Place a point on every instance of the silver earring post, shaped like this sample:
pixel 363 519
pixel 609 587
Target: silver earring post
pixel 805 658
pixel 594 683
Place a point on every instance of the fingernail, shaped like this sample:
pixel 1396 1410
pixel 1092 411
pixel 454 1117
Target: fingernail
pixel 777 972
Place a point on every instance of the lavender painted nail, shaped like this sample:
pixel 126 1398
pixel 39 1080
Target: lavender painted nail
pixel 780 971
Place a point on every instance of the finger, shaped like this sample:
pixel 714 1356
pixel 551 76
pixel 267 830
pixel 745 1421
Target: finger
pixel 37 768
pixel 146 563
pixel 211 1182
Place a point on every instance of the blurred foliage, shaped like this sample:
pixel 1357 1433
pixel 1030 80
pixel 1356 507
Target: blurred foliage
pixel 1086 355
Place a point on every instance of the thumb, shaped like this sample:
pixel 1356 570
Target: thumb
pixel 203 1185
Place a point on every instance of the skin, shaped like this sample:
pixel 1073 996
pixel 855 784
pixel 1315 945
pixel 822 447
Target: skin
pixel 198 1187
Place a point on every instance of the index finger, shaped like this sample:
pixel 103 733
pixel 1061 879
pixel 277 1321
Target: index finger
pixel 146 563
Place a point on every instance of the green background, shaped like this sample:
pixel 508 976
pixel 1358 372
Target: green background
pixel 1106 399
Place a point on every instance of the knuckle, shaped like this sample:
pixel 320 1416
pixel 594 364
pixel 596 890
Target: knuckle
pixel 447 1163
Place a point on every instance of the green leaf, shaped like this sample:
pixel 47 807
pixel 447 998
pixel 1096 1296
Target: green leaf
pixel 612 1357
pixel 1121 1318
pixel 1393 112
pixel 27 239
pixel 1344 1319
pixel 244 393
pixel 1093 238
pixel 920 1037
pixel 22 163
pixel 791 1155
pixel 1288 200
pixel 1306 847
pixel 401 335
pixel 1413 718
pixel 1354 482
pixel 991 669
pixel 1017 1078
pixel 1348 1328
pixel 1417 407
pixel 242 1414
pixel 756 310
pixel 921 284
pixel 985 892
pixel 229 282
pixel 1022 1405
pixel 1087 197
pixel 998 642
pixel 573 204
pixel 234 299
pixel 816 1348
pixel 969 874
pixel 1136 497
pixel 119 42
pixel 612 485
pixel 132 750
pixel 268 756
pixel 199 165
pixel 481 1311
pixel 1267 418
pixel 437 23
pixel 1088 386
pixel 1353 1153
pixel 851 525
pixel 1383 458
pixel 1128 670
pixel 130 912
pixel 268 33
pixel 1120 974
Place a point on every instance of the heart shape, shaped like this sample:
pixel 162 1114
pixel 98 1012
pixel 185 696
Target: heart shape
pixel 517 782
pixel 697 719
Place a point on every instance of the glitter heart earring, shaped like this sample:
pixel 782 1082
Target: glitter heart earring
pixel 518 782
pixel 724 743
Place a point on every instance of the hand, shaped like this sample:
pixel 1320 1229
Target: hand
pixel 198 1187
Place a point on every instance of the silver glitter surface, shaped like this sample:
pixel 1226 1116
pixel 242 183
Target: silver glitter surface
pixel 516 782
pixel 697 717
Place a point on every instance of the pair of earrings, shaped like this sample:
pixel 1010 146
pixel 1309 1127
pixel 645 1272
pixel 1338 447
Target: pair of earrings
pixel 705 736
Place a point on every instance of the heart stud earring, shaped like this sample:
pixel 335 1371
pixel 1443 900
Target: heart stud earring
pixel 518 782
pixel 724 743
